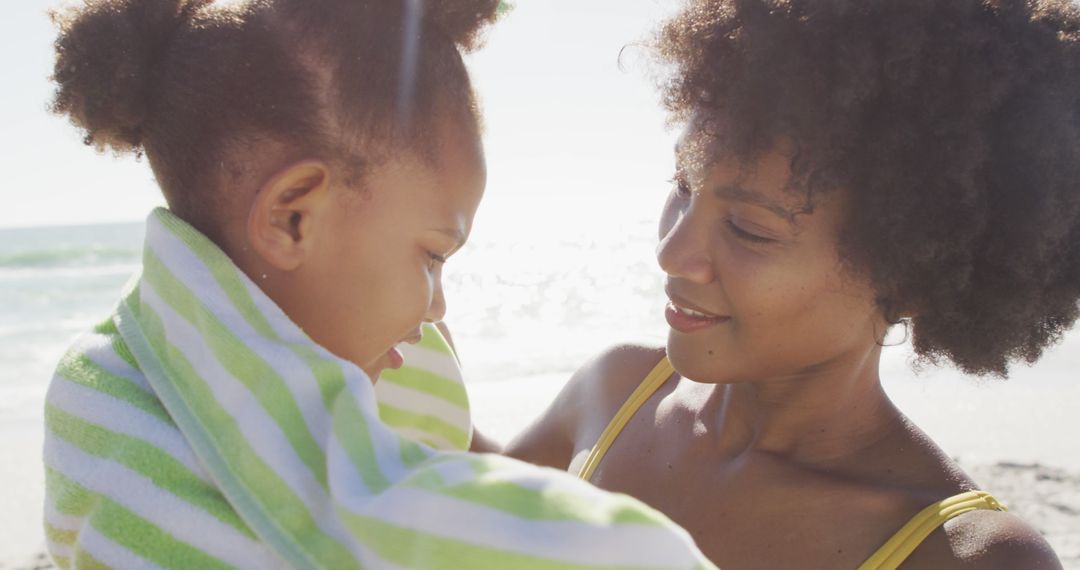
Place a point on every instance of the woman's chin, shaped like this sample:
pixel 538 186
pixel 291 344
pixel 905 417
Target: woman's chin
pixel 686 361
pixel 699 364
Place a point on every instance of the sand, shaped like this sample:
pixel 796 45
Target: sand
pixel 1045 495
pixel 22 478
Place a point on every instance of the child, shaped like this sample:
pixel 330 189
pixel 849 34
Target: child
pixel 845 166
pixel 321 161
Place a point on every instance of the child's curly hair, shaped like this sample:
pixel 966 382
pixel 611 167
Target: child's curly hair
pixel 198 87
pixel 951 125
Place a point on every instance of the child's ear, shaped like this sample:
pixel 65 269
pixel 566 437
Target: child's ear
pixel 285 212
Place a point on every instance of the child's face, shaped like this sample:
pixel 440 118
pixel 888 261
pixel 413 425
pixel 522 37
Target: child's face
pixel 377 274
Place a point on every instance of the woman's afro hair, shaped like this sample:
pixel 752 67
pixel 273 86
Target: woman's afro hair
pixel 951 125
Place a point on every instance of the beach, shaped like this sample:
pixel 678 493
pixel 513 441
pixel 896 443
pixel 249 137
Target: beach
pixel 560 264
pixel 525 312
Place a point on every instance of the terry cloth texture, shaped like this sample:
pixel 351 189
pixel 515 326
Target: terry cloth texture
pixel 200 428
pixel 425 399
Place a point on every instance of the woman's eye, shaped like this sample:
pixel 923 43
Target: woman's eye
pixel 680 187
pixel 747 236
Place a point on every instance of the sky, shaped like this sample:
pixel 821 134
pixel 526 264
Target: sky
pixel 569 120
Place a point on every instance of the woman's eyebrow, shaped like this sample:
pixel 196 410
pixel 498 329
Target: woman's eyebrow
pixel 738 193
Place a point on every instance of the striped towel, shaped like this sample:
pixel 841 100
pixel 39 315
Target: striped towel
pixel 200 428
pixel 425 399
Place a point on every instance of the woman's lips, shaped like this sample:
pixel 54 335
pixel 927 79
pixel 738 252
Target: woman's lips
pixel 687 320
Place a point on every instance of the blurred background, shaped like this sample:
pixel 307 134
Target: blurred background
pixel 560 264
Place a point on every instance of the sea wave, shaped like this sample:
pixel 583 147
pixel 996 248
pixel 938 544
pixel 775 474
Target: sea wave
pixel 75 256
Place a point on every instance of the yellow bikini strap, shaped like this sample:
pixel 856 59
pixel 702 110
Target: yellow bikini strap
pixel 904 542
pixel 660 373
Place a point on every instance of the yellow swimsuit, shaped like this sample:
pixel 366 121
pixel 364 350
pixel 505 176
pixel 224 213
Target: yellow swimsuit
pixel 890 555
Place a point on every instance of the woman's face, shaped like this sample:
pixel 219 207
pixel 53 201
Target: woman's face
pixel 756 287
pixel 379 270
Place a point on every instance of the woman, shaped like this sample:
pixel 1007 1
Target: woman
pixel 845 167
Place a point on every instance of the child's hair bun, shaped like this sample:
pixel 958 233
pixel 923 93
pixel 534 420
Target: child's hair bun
pixel 106 52
pixel 463 20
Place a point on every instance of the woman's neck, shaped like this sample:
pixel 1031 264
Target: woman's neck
pixel 812 418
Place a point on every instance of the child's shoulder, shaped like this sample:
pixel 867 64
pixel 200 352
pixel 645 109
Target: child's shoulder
pixel 99 363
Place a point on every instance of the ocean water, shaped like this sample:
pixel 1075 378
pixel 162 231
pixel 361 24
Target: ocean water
pixel 54 283
pixel 538 289
pixel 542 285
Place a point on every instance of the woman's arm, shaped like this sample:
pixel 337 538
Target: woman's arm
pixel 985 539
pixel 549 439
pixel 483 444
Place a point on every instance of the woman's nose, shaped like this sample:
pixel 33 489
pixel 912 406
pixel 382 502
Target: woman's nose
pixel 683 251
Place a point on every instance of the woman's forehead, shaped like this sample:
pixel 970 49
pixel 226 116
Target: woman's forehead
pixel 764 177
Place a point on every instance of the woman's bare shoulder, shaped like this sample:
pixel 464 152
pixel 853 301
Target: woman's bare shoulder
pixel 985 539
pixel 995 539
pixel 610 377
pixel 594 391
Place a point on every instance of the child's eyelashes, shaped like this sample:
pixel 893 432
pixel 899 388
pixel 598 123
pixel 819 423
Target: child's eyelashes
pixel 436 259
